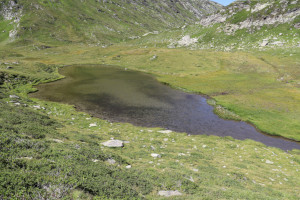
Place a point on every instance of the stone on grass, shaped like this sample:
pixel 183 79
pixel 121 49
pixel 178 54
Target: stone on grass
pixel 27 158
pixel 93 125
pixel 128 166
pixel 264 43
pixel 37 107
pixel 169 193
pixel 14 97
pixel 111 161
pixel 165 131
pixel 57 141
pixel 155 155
pixel 113 143
pixel 154 57
pixel 297 25
pixel 269 162
pixel 187 41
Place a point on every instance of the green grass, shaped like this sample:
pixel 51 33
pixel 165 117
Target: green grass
pixel 61 163
pixel 50 152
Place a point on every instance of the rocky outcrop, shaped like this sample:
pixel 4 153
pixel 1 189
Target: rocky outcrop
pixel 242 15
pixel 11 11
pixel 187 41
pixel 254 24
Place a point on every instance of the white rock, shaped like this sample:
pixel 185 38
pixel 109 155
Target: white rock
pixel 191 179
pixel 111 161
pixel 27 158
pixel 264 43
pixel 153 57
pixel 155 155
pixel 93 124
pixel 269 162
pixel 57 140
pixel 113 143
pixel 37 106
pixel 294 2
pixel 187 40
pixel 165 131
pixel 14 97
pixel 95 160
pixel 169 193
pixel 259 7
pixel 128 166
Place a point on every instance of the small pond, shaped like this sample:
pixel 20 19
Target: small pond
pixel 120 95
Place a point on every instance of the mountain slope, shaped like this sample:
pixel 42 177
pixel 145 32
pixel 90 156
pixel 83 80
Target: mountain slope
pixel 241 25
pixel 98 21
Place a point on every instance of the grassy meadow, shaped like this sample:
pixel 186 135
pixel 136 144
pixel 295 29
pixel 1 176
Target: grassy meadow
pixel 259 87
pixel 49 150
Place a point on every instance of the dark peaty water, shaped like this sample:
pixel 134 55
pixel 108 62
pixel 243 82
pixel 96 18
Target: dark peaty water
pixel 130 96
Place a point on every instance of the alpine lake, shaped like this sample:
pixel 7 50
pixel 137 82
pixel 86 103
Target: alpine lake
pixel 121 95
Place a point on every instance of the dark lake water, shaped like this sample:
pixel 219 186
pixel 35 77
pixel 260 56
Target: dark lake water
pixel 120 95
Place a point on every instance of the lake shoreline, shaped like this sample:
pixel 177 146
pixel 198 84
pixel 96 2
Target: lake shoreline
pixel 154 76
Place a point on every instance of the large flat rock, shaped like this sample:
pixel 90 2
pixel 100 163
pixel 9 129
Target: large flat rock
pixel 169 193
pixel 113 143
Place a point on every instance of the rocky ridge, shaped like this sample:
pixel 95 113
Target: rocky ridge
pixel 244 25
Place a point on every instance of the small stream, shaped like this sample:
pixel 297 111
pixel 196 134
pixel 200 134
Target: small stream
pixel 120 95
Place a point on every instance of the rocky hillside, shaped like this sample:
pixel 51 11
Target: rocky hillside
pixel 95 21
pixel 254 17
pixel 241 25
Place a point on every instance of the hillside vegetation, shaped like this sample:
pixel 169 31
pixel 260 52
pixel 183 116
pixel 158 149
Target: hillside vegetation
pixel 94 22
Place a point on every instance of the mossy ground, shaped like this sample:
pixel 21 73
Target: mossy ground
pixel 248 86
